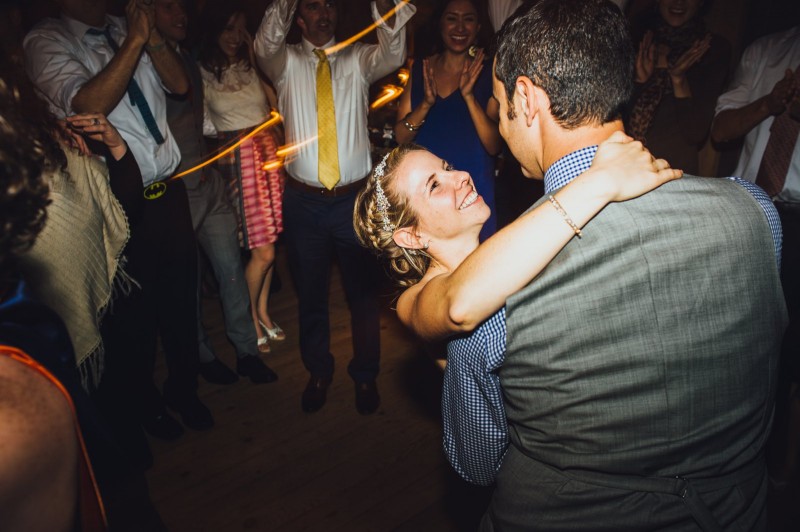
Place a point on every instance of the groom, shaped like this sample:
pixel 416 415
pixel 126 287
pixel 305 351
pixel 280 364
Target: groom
pixel 640 365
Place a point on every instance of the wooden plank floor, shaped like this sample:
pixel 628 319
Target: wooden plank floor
pixel 267 465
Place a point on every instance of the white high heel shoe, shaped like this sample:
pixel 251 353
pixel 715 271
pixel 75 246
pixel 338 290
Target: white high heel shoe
pixel 275 333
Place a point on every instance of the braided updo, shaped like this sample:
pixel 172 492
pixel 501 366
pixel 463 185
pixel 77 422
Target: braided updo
pixel 375 222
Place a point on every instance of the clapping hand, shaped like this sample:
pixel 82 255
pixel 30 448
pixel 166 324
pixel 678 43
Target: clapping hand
pixel 784 92
pixel 645 58
pixel 141 20
pixel 690 57
pixel 628 169
pixel 429 80
pixel 470 73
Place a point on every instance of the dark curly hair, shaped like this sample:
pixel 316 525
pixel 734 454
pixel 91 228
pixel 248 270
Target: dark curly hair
pixel 28 150
pixel 578 51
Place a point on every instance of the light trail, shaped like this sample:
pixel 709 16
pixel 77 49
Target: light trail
pixel 338 46
pixel 274 118
pixel 284 151
pixel 403 74
pixel 390 92
pixel 290 148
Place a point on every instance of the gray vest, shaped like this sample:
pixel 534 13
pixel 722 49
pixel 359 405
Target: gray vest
pixel 649 346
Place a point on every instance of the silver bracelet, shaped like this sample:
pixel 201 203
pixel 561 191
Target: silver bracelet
pixel 411 127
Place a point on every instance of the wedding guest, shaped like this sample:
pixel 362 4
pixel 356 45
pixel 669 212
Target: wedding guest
pixel 238 100
pixel 681 68
pixel 448 107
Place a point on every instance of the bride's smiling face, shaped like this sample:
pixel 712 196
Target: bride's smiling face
pixel 444 199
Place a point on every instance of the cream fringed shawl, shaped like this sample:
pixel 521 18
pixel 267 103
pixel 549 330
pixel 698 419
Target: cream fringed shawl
pixel 77 256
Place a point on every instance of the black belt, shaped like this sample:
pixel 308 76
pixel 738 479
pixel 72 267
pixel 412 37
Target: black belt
pixel 341 190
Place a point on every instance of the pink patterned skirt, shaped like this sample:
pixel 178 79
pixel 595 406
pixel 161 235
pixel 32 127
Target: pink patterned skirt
pixel 255 193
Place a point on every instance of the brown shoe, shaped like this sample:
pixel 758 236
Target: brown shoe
pixel 315 394
pixel 367 398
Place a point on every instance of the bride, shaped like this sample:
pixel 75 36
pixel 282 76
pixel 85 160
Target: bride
pixel 424 218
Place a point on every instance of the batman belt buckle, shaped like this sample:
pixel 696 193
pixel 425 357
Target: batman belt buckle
pixel 155 190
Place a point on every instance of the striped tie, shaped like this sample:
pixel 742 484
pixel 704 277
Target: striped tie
pixel 778 154
pixel 328 169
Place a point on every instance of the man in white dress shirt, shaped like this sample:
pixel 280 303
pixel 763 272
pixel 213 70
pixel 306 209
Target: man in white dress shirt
pixel 89 61
pixel 318 219
pixel 762 105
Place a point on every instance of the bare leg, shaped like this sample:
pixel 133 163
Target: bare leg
pixel 258 274
pixel 263 299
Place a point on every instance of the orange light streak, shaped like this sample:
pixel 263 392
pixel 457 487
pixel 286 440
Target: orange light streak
pixel 390 92
pixel 272 165
pixel 403 75
pixel 290 148
pixel 274 118
pixel 338 46
pixel 283 152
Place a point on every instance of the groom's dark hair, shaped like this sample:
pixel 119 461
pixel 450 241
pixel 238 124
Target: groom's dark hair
pixel 578 51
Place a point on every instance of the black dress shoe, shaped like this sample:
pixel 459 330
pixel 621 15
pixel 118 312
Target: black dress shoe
pixel 163 426
pixel 194 414
pixel 315 394
pixel 253 367
pixel 367 398
pixel 216 372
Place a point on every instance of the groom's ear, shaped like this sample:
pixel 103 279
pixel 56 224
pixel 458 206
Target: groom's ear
pixel 525 96
pixel 407 238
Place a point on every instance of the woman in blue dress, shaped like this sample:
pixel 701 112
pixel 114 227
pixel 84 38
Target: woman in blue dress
pixel 449 109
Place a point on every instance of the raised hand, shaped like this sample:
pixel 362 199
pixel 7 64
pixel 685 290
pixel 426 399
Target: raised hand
pixel 645 58
pixel 628 170
pixel 470 73
pixel 97 127
pixel 429 80
pixel 690 57
pixel 141 21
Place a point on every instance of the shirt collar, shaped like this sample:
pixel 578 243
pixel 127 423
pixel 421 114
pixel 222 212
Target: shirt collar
pixel 568 168
pixel 79 29
pixel 309 48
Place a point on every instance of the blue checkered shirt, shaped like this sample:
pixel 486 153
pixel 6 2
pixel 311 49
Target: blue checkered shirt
pixel 475 427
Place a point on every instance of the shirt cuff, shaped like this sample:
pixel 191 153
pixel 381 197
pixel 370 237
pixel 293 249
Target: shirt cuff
pixel 402 15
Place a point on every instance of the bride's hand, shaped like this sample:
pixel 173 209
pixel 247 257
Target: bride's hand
pixel 626 169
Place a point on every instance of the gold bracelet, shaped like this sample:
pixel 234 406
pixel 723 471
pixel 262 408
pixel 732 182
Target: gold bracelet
pixel 557 206
pixel 411 127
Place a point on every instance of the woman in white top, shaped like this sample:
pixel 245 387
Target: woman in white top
pixel 237 100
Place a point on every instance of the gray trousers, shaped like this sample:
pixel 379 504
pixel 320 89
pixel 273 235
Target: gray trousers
pixel 214 223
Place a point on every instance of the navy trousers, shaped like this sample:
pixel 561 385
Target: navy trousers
pixel 317 229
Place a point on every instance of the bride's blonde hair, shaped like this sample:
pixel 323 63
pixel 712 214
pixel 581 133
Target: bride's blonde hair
pixel 379 211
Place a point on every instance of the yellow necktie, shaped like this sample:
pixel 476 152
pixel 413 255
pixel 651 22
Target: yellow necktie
pixel 326 125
